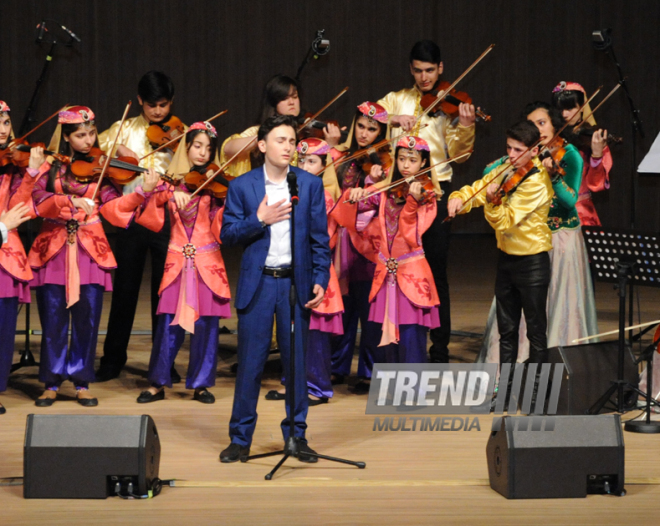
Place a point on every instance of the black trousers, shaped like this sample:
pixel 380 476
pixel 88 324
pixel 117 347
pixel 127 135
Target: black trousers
pixel 436 248
pixel 131 250
pixel 522 286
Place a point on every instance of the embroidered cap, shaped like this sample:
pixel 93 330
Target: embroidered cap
pixel 570 86
pixel 313 146
pixel 76 115
pixel 413 143
pixel 206 126
pixel 4 108
pixel 373 111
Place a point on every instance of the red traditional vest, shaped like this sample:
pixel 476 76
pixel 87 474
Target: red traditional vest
pixel 12 254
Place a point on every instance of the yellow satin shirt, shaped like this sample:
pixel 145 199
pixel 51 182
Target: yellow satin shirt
pixel 445 140
pixel 521 221
pixel 134 136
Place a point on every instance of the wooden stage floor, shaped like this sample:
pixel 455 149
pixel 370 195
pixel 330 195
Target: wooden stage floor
pixel 411 478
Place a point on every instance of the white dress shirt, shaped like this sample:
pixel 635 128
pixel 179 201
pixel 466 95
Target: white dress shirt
pixel 279 251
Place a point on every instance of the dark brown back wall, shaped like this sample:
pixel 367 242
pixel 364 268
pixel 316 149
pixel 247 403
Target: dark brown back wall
pixel 219 54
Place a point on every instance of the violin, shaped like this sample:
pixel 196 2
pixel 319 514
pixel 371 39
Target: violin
pixel 556 150
pixel 581 138
pixel 511 184
pixel 21 155
pixel 198 176
pixel 450 102
pixel 163 132
pixel 381 157
pixel 311 127
pixel 400 192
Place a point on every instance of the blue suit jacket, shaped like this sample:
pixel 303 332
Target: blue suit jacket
pixel 241 226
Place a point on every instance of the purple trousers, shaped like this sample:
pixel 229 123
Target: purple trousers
pixel 319 364
pixel 411 347
pixel 59 360
pixel 203 359
pixel 356 308
pixel 8 315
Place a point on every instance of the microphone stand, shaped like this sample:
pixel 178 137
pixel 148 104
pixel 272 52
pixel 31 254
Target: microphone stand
pixel 319 47
pixel 292 445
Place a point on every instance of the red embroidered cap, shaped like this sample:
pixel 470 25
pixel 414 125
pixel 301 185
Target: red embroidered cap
pixel 4 108
pixel 206 126
pixel 313 146
pixel 412 143
pixel 75 115
pixel 373 111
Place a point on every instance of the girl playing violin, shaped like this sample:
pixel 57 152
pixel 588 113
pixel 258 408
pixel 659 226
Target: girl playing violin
pixel 281 96
pixel 194 293
pixel 71 258
pixel 569 97
pixel 326 319
pixel 15 275
pixel 354 270
pixel 403 296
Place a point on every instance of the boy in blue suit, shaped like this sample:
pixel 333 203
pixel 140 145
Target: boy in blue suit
pixel 257 216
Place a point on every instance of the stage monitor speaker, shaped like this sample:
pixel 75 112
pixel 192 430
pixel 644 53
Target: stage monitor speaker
pixel 83 457
pixel 590 370
pixel 543 457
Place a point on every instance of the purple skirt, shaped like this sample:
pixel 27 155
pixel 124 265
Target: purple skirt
pixel 331 323
pixel 409 313
pixel 10 287
pixel 209 303
pixel 54 272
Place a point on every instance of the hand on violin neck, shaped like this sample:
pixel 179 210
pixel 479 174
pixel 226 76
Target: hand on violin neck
pixel 332 134
pixel 124 151
pixel 416 190
pixel 491 192
pixel 466 114
pixel 151 179
pixel 549 165
pixel 181 199
pixel 37 157
pixel 405 122
pixel 376 173
pixel 598 143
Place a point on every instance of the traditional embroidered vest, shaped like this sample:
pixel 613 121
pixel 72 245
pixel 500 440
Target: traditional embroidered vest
pixel 12 254
pixel 332 302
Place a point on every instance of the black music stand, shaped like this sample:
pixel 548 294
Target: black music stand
pixel 622 257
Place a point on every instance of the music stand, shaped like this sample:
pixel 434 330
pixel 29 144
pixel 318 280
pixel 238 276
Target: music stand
pixel 622 257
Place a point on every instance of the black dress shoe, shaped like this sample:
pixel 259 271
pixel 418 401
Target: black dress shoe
pixel 88 402
pixel 337 379
pixel 105 374
pixel 2 409
pixel 44 402
pixel 204 396
pixel 234 453
pixel 304 453
pixel 176 377
pixel 318 401
pixel 274 395
pixel 146 397
pixel 361 387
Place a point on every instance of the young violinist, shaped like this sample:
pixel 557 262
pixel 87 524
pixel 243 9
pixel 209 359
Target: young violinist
pixel 15 275
pixel 354 270
pixel 403 298
pixel 569 97
pixel 71 259
pixel 520 221
pixel 446 138
pixel 326 319
pixel 281 96
pixel 571 305
pixel 194 293
pixel 156 97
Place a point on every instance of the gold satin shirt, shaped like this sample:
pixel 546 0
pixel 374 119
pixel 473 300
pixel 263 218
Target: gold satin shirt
pixel 134 136
pixel 521 221
pixel 445 140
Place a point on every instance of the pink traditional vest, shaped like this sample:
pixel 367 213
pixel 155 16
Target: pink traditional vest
pixel 12 254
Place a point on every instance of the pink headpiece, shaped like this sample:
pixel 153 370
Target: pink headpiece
pixel 3 107
pixel 373 111
pixel 75 115
pixel 206 126
pixel 413 143
pixel 570 86
pixel 313 146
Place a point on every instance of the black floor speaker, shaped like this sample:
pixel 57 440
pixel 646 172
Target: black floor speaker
pixel 590 370
pixel 84 456
pixel 544 457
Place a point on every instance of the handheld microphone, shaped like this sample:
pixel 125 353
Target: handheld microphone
pixel 292 181
pixel 42 29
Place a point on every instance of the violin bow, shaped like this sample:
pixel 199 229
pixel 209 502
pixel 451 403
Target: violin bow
pixel 584 119
pixel 41 124
pixel 313 117
pixel 412 177
pixel 178 138
pixel 440 97
pixel 108 155
pixel 609 333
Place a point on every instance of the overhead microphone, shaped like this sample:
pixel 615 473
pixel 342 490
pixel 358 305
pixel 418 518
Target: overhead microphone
pixel 42 30
pixel 71 33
